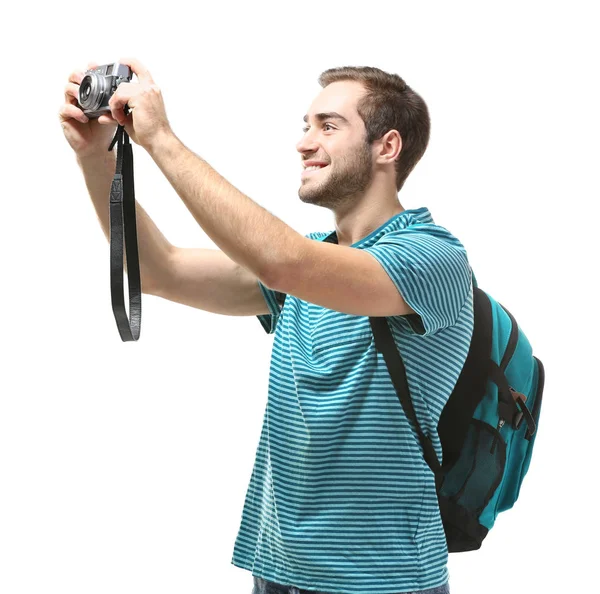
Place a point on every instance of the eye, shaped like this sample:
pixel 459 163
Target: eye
pixel 305 129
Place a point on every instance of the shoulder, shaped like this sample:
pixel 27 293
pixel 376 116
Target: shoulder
pixel 422 235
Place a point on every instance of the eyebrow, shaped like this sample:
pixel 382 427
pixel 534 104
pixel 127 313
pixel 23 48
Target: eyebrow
pixel 328 116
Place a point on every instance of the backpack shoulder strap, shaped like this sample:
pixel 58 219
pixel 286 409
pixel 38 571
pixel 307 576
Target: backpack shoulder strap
pixel 384 341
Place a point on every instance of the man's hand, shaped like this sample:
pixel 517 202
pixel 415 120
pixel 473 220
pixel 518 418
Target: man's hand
pixel 88 138
pixel 147 119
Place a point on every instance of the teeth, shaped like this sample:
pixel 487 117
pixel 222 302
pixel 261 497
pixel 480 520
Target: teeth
pixel 314 167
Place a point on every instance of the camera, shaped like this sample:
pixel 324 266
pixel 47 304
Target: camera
pixel 98 86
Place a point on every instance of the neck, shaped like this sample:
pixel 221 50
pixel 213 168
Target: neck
pixel 359 217
pixel 361 220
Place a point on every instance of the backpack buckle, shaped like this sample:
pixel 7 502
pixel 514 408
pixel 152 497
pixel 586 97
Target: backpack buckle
pixel 516 422
pixel 518 416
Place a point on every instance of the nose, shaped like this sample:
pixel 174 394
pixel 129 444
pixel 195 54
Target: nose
pixel 307 143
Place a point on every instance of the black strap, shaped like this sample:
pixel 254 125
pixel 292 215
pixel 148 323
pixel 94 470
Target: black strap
pixel 384 341
pixel 506 402
pixel 524 412
pixel 471 386
pixel 123 223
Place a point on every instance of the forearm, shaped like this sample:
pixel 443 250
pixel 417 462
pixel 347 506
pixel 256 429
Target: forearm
pixel 153 248
pixel 249 234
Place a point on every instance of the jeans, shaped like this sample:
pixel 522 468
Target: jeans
pixel 265 587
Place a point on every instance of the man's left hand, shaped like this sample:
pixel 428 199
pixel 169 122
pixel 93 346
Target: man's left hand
pixel 147 118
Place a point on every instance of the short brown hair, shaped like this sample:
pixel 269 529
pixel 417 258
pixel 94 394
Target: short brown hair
pixel 389 104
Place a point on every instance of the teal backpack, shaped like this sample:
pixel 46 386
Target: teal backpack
pixel 488 426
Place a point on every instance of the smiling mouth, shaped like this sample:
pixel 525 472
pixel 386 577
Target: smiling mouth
pixel 309 172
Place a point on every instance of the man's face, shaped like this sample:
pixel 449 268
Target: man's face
pixel 340 144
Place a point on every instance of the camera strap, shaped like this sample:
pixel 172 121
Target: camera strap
pixel 123 226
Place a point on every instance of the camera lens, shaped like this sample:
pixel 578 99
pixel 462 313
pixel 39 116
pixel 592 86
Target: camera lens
pixel 84 91
pixel 91 91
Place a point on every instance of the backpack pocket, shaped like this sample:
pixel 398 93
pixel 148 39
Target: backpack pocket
pixel 521 448
pixel 468 486
pixel 474 478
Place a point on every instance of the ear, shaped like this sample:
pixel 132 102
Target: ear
pixel 391 145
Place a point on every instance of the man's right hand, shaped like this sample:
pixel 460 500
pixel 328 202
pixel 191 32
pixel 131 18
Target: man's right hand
pixel 86 137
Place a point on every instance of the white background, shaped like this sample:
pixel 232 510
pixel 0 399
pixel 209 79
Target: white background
pixel 124 466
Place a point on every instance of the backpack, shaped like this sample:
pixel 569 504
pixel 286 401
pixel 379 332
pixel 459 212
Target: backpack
pixel 487 427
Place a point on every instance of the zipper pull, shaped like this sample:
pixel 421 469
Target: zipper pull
pixel 498 427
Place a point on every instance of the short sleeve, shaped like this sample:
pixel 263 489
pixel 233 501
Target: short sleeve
pixel 274 301
pixel 431 271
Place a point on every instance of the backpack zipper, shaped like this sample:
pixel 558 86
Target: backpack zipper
pixel 495 440
pixel 508 353
pixel 512 340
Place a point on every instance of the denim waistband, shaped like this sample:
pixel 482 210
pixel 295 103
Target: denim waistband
pixel 262 586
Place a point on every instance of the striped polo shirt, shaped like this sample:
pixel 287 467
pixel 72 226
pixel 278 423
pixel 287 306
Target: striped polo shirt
pixel 340 498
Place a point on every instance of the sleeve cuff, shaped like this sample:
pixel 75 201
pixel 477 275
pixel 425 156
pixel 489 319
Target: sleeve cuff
pixel 274 301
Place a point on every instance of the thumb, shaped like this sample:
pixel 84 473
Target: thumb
pixel 107 118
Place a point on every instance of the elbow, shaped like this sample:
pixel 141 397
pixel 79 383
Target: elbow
pixel 271 278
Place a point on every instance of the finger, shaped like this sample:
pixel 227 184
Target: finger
pixel 68 111
pixel 106 118
pixel 138 69
pixel 76 76
pixel 72 93
pixel 117 103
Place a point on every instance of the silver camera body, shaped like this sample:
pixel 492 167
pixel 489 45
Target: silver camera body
pixel 98 86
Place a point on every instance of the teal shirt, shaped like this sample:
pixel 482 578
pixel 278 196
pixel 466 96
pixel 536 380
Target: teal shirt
pixel 341 499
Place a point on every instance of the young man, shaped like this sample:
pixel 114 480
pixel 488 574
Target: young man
pixel 340 499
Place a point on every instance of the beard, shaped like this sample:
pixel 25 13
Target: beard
pixel 339 185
